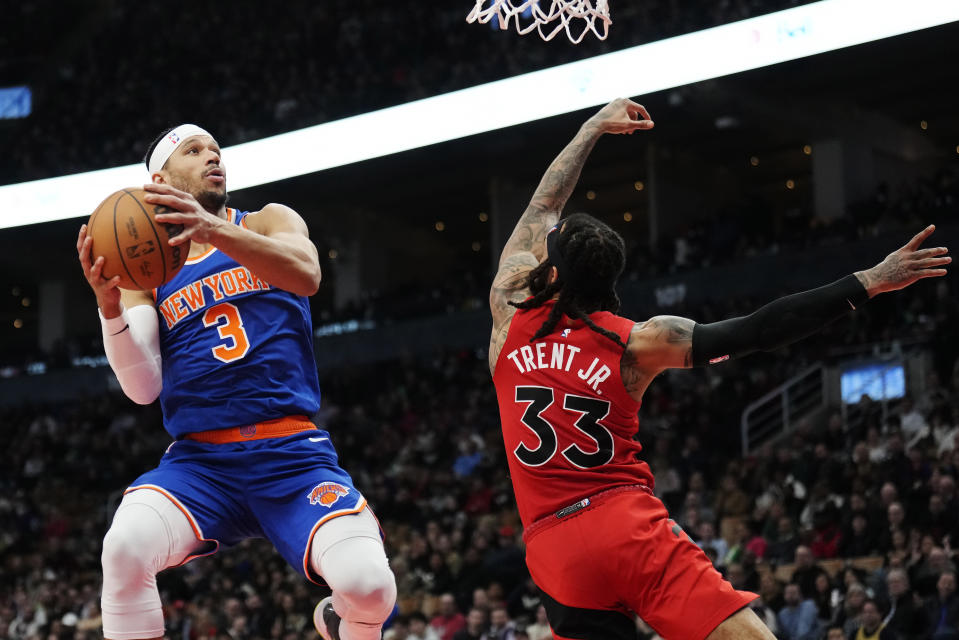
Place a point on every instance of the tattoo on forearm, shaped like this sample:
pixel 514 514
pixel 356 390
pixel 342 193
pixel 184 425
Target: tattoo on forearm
pixel 552 193
pixel 560 179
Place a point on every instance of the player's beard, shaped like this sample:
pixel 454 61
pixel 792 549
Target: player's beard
pixel 209 199
pixel 212 200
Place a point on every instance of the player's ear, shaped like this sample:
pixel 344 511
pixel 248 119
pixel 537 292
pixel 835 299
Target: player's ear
pixel 553 275
pixel 157 178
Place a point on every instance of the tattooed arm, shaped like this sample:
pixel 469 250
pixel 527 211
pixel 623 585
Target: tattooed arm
pixel 526 246
pixel 619 116
pixel 510 285
pixel 660 343
pixel 666 342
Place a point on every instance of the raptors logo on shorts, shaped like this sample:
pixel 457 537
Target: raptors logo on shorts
pixel 327 493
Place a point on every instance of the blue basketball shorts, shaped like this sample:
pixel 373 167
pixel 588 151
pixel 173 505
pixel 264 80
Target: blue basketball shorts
pixel 281 489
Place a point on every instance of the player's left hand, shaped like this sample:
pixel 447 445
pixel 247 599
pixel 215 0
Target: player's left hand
pixel 906 265
pixel 199 225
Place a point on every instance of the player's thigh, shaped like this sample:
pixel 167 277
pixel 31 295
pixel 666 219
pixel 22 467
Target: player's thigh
pixel 742 625
pixel 626 555
pixel 208 484
pixel 304 488
pixel 671 583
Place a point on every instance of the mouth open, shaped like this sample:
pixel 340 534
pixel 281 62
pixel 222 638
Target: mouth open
pixel 216 176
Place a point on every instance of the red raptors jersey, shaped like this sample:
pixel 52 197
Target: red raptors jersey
pixel 568 422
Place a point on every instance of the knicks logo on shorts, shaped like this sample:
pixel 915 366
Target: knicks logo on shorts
pixel 327 493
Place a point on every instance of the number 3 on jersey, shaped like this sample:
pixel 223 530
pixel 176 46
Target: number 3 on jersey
pixel 231 330
pixel 591 411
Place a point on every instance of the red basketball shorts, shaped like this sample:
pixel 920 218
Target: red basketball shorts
pixel 619 555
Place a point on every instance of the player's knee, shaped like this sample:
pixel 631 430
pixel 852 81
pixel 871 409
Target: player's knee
pixel 135 548
pixel 370 589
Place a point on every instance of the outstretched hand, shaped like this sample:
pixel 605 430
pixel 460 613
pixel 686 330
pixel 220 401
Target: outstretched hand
pixel 622 116
pixel 906 265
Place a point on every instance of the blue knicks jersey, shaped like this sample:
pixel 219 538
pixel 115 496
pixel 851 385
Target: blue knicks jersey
pixel 235 350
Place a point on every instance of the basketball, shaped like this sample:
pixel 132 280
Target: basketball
pixel 134 246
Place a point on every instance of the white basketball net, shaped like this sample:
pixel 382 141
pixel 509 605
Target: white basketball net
pixel 575 17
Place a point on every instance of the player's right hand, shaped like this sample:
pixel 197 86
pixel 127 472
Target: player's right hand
pixel 622 116
pixel 106 291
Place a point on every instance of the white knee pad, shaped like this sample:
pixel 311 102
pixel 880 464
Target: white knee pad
pixel 348 552
pixel 149 533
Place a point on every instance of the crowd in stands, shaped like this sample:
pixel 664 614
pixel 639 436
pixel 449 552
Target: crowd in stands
pixel 245 71
pixel 730 234
pixel 842 524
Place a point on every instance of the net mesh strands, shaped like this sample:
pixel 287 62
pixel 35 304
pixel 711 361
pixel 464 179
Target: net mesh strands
pixel 575 17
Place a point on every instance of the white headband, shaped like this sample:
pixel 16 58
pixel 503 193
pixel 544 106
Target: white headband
pixel 169 143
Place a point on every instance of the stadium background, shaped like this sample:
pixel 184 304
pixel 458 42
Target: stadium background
pixel 751 186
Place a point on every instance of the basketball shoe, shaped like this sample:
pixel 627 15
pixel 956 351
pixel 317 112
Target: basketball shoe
pixel 326 620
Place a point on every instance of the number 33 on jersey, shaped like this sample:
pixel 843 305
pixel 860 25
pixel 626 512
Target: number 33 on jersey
pixel 569 425
pixel 234 347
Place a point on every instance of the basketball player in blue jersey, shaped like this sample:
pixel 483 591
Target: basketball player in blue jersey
pixel 227 346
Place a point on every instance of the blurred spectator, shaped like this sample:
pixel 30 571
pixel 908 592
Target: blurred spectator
pixel 905 615
pixel 850 615
pixel 475 628
pixel 419 630
pixel 827 598
pixel 911 421
pixel 797 618
pixel 871 625
pixel 448 621
pixel 706 539
pixel 806 571
pixel 858 540
pixel 834 633
pixel 540 629
pixel 501 627
pixel 399 630
pixel 784 542
pixel 524 601
pixel 942 608
pixel 927 573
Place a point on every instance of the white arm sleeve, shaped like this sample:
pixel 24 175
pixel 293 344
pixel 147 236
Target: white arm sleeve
pixel 132 344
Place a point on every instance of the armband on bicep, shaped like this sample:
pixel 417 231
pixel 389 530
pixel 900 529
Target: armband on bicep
pixel 777 324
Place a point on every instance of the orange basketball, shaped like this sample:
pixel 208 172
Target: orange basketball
pixel 134 246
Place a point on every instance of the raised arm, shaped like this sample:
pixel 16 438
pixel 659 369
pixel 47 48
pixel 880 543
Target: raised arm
pixel 670 342
pixel 546 206
pixel 275 246
pixel 526 248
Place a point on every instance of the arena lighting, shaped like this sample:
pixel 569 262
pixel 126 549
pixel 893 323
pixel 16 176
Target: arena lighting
pixel 740 46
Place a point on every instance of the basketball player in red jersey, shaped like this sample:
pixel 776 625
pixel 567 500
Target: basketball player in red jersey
pixel 569 378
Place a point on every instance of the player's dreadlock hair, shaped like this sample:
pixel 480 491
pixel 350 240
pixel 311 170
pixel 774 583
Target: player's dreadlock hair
pixel 588 256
